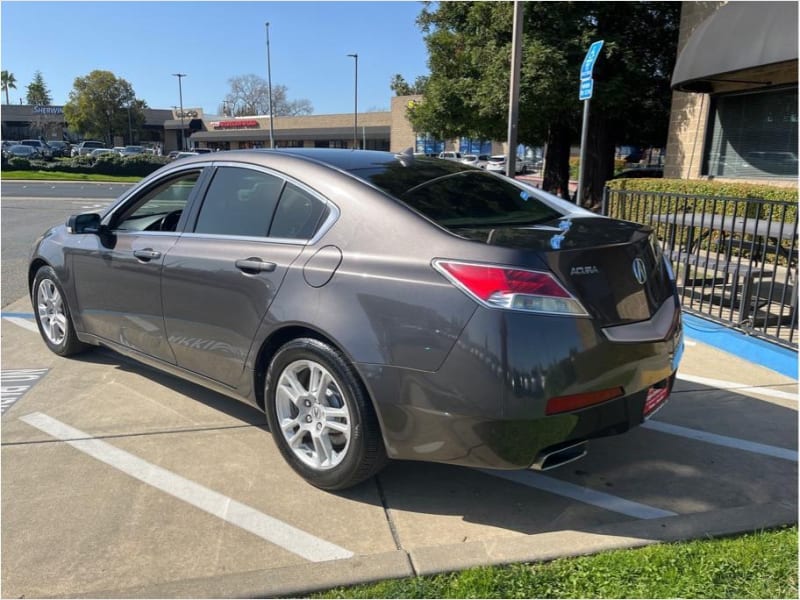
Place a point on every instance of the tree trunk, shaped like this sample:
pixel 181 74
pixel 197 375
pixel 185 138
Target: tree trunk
pixel 599 161
pixel 556 171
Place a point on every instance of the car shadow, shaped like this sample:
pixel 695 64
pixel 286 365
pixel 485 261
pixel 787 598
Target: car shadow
pixel 655 469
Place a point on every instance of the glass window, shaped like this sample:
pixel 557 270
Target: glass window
pixel 456 195
pixel 298 215
pixel 239 202
pixel 160 208
pixel 753 135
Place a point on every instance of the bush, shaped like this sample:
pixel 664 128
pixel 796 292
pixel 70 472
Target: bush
pixel 20 164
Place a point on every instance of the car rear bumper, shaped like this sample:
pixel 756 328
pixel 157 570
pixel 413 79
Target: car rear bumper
pixel 486 405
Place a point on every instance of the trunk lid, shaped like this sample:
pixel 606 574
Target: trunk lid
pixel 613 267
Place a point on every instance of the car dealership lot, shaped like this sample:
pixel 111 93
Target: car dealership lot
pixel 119 480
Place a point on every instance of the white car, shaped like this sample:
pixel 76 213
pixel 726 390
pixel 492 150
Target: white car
pixel 497 164
pixel 457 156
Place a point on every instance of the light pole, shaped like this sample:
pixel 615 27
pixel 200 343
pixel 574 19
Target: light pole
pixel 130 129
pixel 269 91
pixel 180 76
pixel 355 108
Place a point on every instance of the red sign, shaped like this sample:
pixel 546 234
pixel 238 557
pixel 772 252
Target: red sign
pixel 235 124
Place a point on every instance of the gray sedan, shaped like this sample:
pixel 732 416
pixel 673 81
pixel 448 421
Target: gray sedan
pixel 374 305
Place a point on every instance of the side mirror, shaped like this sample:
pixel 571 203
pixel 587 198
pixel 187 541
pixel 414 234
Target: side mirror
pixel 85 223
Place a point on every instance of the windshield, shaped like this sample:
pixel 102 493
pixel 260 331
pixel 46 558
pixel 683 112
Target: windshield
pixel 456 195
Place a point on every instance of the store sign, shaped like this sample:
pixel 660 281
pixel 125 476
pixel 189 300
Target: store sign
pixel 187 114
pixel 236 124
pixel 48 110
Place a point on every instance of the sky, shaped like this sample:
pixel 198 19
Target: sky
pixel 145 42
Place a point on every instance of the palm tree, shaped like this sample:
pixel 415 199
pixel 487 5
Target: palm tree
pixel 8 81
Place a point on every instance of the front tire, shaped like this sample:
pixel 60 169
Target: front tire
pixel 321 417
pixel 53 316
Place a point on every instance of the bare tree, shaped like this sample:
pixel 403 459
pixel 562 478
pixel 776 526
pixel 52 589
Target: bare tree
pixel 249 96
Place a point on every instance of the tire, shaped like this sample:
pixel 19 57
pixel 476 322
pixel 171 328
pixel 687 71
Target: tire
pixel 53 316
pixel 321 416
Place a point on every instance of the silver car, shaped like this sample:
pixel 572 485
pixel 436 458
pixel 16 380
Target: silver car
pixel 374 306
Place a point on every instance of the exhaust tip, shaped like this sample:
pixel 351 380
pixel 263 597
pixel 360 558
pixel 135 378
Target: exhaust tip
pixel 557 457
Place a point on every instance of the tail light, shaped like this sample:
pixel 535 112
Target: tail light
pixel 509 288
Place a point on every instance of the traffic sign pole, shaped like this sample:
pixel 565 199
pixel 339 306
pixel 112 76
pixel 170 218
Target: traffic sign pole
pixel 582 164
pixel 585 94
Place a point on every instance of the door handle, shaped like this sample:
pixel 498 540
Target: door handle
pixel 254 265
pixel 147 254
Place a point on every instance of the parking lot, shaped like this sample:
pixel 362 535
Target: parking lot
pixel 118 480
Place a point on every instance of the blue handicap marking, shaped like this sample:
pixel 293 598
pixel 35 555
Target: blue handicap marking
pixel 591 57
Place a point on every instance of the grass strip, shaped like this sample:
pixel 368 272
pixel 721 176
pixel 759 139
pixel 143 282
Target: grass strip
pixel 61 176
pixel 755 565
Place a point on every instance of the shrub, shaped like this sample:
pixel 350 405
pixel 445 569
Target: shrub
pixel 17 163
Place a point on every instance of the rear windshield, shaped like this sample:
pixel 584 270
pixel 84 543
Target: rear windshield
pixel 455 195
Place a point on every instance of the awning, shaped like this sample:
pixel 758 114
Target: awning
pixel 738 36
pixel 187 123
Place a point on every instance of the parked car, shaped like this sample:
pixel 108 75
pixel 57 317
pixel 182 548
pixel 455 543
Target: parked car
pixel 132 150
pixel 173 154
pixel 179 155
pixel 86 147
pixel 6 144
pixel 497 164
pixel 22 151
pixel 201 150
pixel 59 148
pixel 100 152
pixel 118 150
pixel 373 305
pixel 451 156
pixel 43 149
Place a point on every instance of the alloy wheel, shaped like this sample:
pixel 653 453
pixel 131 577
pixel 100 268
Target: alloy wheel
pixel 313 415
pixel 52 314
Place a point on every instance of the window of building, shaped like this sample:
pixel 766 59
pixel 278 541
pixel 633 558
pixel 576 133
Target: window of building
pixel 239 202
pixel 753 135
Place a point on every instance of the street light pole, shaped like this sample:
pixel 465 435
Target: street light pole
pixel 355 109
pixel 180 76
pixel 269 90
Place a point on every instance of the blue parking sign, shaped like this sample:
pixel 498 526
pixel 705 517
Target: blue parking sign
pixel 591 57
pixel 586 89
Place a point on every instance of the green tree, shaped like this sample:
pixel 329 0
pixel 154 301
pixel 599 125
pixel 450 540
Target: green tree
pixel 249 95
pixel 401 87
pixel 469 55
pixel 8 81
pixel 98 106
pixel 37 92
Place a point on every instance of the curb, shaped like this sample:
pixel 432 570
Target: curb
pixel 761 352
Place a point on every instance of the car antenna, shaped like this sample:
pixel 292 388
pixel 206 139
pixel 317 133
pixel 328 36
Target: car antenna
pixel 406 156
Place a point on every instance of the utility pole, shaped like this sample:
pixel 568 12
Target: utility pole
pixel 180 76
pixel 355 109
pixel 269 91
pixel 513 92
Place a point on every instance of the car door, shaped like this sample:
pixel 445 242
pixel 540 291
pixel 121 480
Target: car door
pixel 118 273
pixel 220 278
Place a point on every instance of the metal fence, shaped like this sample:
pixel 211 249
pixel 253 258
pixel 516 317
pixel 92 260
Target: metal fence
pixel 735 259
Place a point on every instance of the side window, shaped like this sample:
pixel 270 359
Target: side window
pixel 298 215
pixel 160 208
pixel 239 202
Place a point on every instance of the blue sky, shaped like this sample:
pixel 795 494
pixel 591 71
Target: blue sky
pixel 145 42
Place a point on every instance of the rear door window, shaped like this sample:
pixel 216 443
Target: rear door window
pixel 239 202
pixel 298 216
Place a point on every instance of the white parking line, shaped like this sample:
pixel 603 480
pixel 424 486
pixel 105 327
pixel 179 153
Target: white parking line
pixel 740 387
pixel 582 494
pixel 268 528
pixel 722 440
pixel 24 323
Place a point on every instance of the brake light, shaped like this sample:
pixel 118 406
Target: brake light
pixel 514 289
pixel 561 404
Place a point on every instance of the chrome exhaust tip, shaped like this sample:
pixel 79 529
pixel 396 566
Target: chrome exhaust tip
pixel 556 457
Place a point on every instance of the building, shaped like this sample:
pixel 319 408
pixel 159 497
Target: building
pixel 735 104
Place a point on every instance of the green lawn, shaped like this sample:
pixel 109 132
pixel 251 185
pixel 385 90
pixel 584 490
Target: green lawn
pixel 756 565
pixel 59 176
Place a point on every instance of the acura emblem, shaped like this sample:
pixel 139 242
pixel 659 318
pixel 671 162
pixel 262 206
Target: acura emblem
pixel 639 270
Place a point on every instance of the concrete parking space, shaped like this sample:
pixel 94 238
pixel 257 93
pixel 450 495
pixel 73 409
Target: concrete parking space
pixel 119 480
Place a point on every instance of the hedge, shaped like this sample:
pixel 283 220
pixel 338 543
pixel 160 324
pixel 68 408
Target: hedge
pixel 699 195
pixel 138 165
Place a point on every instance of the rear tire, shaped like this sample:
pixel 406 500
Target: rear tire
pixel 321 417
pixel 53 315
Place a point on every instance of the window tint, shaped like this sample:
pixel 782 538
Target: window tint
pixel 239 202
pixel 298 214
pixel 160 208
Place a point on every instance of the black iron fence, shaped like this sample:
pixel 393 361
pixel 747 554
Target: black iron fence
pixel 735 259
